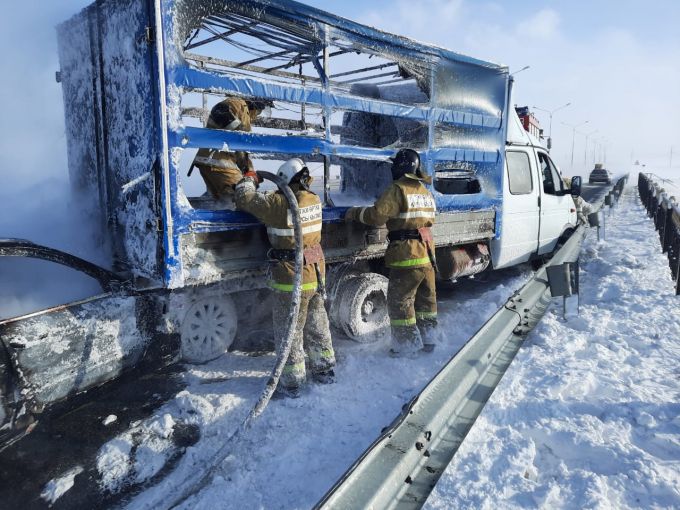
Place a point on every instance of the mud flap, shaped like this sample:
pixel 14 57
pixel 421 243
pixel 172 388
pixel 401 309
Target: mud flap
pixel 59 352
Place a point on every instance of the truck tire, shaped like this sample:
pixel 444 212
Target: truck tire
pixel 208 329
pixel 360 307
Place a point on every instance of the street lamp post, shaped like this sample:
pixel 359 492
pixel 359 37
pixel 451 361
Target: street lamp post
pixel 573 138
pixel 550 114
pixel 600 150
pixel 585 151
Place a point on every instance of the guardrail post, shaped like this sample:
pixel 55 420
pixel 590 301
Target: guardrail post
pixel 563 280
pixel 594 221
pixel 663 224
pixel 667 240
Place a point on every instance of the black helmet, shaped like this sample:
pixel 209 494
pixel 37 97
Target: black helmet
pixel 222 116
pixel 406 161
pixel 259 104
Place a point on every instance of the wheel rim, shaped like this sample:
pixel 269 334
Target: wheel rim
pixel 373 309
pixel 208 329
pixel 362 308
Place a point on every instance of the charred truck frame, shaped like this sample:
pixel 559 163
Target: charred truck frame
pixel 139 78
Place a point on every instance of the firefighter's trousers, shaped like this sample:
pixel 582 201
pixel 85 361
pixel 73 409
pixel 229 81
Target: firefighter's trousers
pixel 220 181
pixel 313 335
pixel 412 307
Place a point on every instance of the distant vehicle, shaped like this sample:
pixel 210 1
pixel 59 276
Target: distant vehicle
pixel 600 174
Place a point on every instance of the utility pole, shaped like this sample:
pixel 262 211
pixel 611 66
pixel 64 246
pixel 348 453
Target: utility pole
pixel 573 138
pixel 550 114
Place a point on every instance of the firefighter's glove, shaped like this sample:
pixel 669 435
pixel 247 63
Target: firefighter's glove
pixel 247 184
pixel 352 214
pixel 252 174
pixel 250 182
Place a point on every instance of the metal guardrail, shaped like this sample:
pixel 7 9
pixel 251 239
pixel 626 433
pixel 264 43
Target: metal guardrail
pixel 664 210
pixel 402 466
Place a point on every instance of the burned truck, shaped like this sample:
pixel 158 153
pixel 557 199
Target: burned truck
pixel 139 78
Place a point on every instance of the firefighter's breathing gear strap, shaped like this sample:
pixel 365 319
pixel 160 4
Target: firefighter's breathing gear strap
pixel 423 234
pixel 312 255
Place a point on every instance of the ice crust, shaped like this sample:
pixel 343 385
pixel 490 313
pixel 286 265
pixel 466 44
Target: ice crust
pixel 57 487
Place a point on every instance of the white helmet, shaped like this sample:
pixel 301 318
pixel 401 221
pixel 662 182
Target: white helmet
pixel 290 168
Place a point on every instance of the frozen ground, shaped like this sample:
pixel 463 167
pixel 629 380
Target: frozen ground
pixel 298 448
pixel 585 417
pixel 588 415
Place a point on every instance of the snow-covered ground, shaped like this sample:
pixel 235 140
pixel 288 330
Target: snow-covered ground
pixel 585 417
pixel 298 448
pixel 588 415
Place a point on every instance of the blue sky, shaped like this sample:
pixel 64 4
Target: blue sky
pixel 617 62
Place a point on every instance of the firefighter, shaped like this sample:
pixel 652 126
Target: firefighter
pixel 222 170
pixel 408 209
pixel 313 332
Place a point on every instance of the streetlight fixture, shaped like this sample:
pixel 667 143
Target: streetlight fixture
pixel 550 113
pixel 573 138
pixel 520 70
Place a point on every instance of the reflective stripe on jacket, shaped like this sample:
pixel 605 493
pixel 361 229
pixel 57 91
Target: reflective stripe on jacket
pixel 272 210
pixel 406 205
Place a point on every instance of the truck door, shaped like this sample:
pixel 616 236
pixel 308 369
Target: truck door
pixel 519 234
pixel 557 206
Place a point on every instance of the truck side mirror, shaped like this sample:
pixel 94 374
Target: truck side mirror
pixel 576 186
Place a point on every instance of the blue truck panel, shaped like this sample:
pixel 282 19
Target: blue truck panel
pixel 129 96
pixel 110 98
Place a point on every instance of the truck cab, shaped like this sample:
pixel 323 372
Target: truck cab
pixel 538 208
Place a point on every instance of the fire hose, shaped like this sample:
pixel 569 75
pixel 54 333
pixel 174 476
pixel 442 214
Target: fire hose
pixel 200 477
pixel 294 310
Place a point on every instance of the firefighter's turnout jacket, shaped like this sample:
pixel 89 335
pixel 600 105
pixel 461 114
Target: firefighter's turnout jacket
pixel 272 210
pixel 405 205
pixel 222 170
pixel 408 210
pixel 312 332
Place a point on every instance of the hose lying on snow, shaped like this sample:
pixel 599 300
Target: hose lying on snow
pixel 200 477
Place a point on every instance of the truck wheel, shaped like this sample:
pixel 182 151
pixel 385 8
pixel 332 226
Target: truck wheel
pixel 360 307
pixel 208 328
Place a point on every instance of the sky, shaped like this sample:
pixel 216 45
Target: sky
pixel 616 62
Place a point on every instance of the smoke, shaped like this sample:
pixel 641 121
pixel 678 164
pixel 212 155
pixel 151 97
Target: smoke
pixel 35 198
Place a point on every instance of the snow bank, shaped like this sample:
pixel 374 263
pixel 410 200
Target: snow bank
pixel 588 413
pixel 298 448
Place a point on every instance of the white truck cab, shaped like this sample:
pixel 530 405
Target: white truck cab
pixel 537 206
